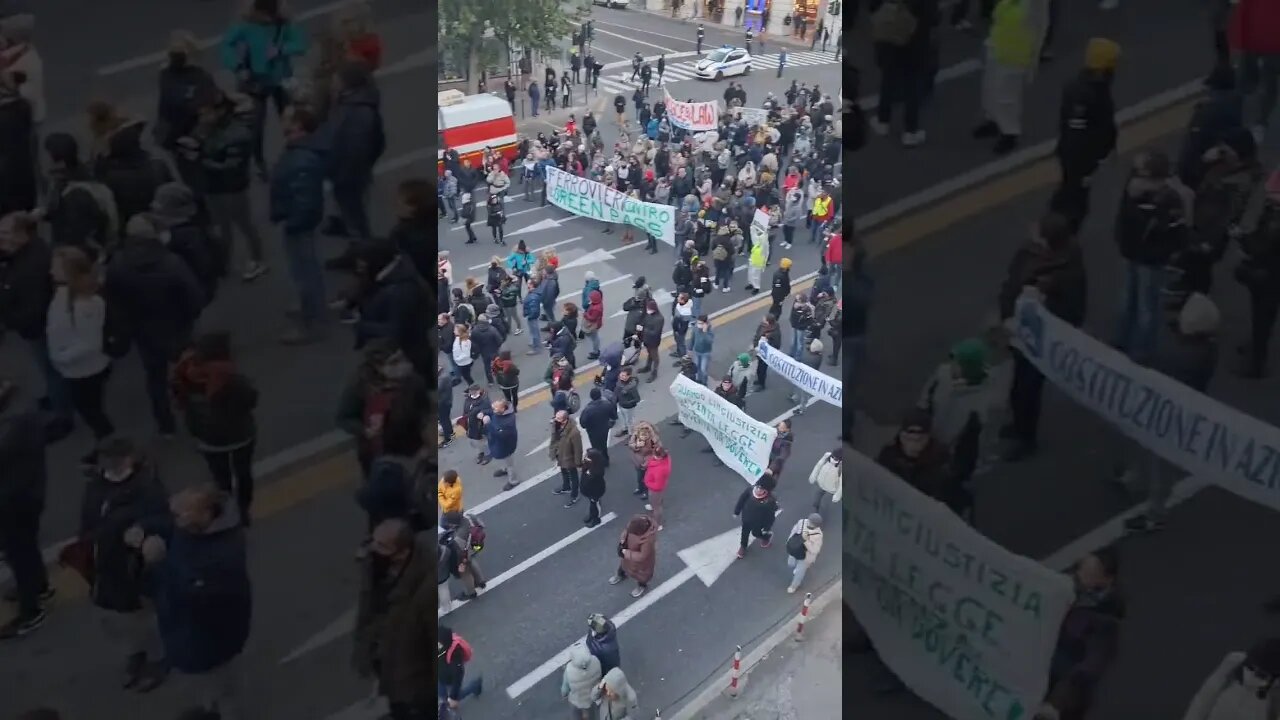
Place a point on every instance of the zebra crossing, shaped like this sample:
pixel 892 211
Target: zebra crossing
pixel 622 82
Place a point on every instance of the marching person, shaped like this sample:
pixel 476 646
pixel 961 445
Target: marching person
pixel 594 466
pixel 581 676
pixel 757 507
pixel 566 451
pixel 637 554
pixel 803 545
pixel 828 478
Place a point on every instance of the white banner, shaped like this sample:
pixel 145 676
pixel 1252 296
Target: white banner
pixel 696 116
pixel 739 440
pixel 598 201
pixel 967 625
pixel 802 376
pixel 1206 438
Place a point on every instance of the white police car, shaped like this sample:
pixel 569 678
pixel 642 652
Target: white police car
pixel 724 61
pixel 619 4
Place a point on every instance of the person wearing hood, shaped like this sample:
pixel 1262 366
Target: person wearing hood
pixel 261 49
pixel 452 655
pixel 1151 228
pixel 297 205
pixel 757 507
pixel 602 642
pixel 1086 129
pixel 181 82
pixel 204 597
pixel 176 215
pixel 581 676
pixel 827 477
pixel 26 288
pixel 616 698
pixel 650 331
pixel 1051 265
pixel 160 295
pixel 24 477
pixel 129 172
pixel 1242 687
pixel 550 286
pixel 1088 640
pixel 123 495
pixel 803 545
pixel 592 483
pixel 18 161
pixel 393 305
pixel 1190 357
pixel 959 400
pixel 592 313
pixel 221 147
pixel 357 140
pixel 919 458
pixel 391 621
pixel 218 402
pixel 637 550
pixel 596 419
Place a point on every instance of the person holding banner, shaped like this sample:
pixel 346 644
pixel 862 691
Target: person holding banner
pixel 772 334
pixel 1089 638
pixel 812 357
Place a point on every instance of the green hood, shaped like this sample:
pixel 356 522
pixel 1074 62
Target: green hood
pixel 971 357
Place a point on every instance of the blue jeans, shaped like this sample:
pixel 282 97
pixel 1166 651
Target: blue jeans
pixel 1140 312
pixel 798 569
pixel 55 387
pixel 535 333
pixel 797 342
pixel 155 369
pixel 307 274
pixel 724 274
pixel 697 306
pixel 815 231
pixel 681 338
pixel 594 337
pixel 452 204
pixel 834 273
pixel 352 199
pixel 1261 72
pixel 534 99
pixel 703 361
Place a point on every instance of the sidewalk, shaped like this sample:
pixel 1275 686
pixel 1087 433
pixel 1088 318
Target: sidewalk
pixel 770 39
pixel 794 681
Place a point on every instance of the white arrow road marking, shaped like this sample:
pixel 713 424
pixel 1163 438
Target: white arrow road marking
pixel 547 224
pixel 345 624
pixel 705 566
pixel 591 258
pixel 545 553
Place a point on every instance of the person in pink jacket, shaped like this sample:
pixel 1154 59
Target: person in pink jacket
pixel 1254 32
pixel 656 474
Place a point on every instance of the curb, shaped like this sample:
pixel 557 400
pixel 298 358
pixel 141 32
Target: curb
pixel 788 38
pixel 715 688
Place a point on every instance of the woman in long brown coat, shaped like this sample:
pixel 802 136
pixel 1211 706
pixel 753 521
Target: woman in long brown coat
pixel 636 548
pixel 643 441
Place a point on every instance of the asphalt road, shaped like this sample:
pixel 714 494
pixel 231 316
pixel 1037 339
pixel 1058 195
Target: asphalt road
pixel 1193 594
pixel 299 386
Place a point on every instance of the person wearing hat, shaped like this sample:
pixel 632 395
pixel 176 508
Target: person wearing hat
pixel 772 333
pixel 780 286
pixel 919 458
pixel 959 399
pixel 803 545
pixel 758 508
pixel 160 295
pixel 1087 128
pixel 176 214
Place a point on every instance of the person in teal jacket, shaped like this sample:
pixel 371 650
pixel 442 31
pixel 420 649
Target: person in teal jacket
pixel 260 49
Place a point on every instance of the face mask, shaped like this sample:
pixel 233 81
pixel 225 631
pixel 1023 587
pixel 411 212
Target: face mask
pixel 117 475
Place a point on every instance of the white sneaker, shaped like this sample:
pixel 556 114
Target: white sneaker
pixel 648 507
pixel 878 127
pixel 724 290
pixel 791 589
pixel 517 331
pixel 914 139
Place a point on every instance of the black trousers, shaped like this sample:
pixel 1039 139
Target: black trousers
pixel 446 422
pixel 1071 199
pixel 1024 400
pixel 762 371
pixel 1263 307
pixel 274 95
pixel 20 540
pixel 600 441
pixel 87 398
pixel 763 533
pixel 233 471
pixel 569 481
pixel 593 510
pixel 640 481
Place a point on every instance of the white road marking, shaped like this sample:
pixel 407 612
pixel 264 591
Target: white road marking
pixel 638 42
pixel 206 43
pixel 686 41
pixel 534 251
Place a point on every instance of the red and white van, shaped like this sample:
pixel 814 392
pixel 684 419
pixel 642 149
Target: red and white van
pixel 470 123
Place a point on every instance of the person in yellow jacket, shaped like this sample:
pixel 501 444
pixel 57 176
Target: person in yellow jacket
pixel 757 259
pixel 449 492
pixel 1013 50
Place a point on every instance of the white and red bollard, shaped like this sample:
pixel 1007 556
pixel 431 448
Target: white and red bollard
pixel 734 686
pixel 804 616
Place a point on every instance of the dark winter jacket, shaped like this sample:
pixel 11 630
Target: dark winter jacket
pixel 393 628
pixel 781 285
pixel 223 419
pixel 297 187
pixel 473 408
pixel 355 136
pixel 502 434
pixel 75 216
pixel 130 172
pixel 1060 275
pixel 487 340
pixel 156 292
pixel 772 335
pixel 204 599
pixel 1151 222
pixel 1086 122
pixel 396 308
pixel 225 153
pixel 191 242
pixel 177 112
pixel 413 238
pixel 26 289
pixel 593 482
pixel 17 162
pixel 756 513
pixel 930 472
pixel 23 469
pixel 628 392
pixel 107 510
pixel 597 417
pixel 1087 644
pixel 604 647
pixel 390 490
pixel 1213 119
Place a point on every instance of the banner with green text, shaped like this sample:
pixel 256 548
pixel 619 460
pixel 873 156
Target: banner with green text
pixel 967 625
pixel 598 201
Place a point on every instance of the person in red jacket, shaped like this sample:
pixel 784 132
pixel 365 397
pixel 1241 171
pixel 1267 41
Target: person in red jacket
pixel 359 41
pixel 656 474
pixel 1254 32
pixel 834 258
pixel 593 316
